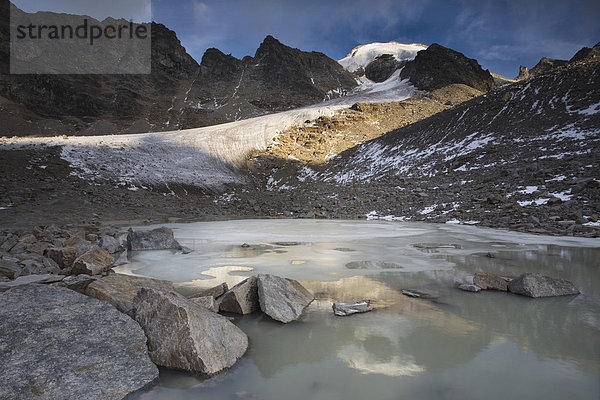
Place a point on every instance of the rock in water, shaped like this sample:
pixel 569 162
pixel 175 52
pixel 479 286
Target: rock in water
pixel 93 262
pixel 242 298
pixel 59 344
pixel 343 308
pixel 216 291
pixel 467 287
pixel 120 290
pixel 537 285
pixel 184 336
pixel 282 299
pixel 488 281
pixel 156 239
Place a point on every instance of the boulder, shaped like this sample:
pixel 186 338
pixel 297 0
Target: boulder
pixel 207 302
pixel 10 269
pixel 215 292
pixel 58 344
pixel 156 239
pixel 120 290
pixel 488 281
pixel 467 287
pixel 109 244
pixel 242 298
pixel 63 256
pixel 537 285
pixel 94 262
pixel 81 245
pixel 345 308
pixel 184 336
pixel 282 299
pixel 29 279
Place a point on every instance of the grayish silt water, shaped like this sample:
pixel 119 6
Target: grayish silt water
pixel 450 345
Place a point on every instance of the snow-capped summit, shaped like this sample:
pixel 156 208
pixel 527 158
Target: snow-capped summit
pixel 363 55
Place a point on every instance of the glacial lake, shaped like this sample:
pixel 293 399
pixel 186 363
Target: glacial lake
pixel 448 344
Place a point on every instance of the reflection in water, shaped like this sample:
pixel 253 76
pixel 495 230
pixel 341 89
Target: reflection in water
pixel 452 344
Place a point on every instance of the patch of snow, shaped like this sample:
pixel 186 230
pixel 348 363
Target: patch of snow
pixel 453 221
pixel 558 178
pixel 564 195
pixel 373 215
pixel 597 223
pixel 361 56
pixel 428 210
pixel 537 202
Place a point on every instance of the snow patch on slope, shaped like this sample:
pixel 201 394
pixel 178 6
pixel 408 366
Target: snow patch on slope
pixel 361 56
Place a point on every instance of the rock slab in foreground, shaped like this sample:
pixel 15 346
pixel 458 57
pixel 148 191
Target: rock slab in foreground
pixel 242 298
pixel 282 299
pixel 487 281
pixel 59 344
pixel 120 290
pixel 156 239
pixel 184 336
pixel 343 309
pixel 537 285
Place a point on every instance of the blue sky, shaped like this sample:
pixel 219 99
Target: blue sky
pixel 501 35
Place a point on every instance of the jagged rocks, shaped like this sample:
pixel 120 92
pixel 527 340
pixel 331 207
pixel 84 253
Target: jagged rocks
pixel 63 256
pixel 120 290
pixel 537 285
pixel 184 336
pixel 242 298
pixel 282 299
pixel 215 292
pixel 439 66
pixel 382 67
pixel 343 309
pixel 10 269
pixel 207 302
pixel 58 344
pixel 487 281
pixel 155 239
pixel 93 262
pixel 29 279
pixel 78 283
pixel 110 244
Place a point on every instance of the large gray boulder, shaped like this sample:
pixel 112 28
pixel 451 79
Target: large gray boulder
pixel 282 299
pixel 185 336
pixel 537 285
pixel 93 262
pixel 120 290
pixel 242 298
pixel 488 281
pixel 156 239
pixel 59 344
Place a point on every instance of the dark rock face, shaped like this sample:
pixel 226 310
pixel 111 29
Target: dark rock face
pixel 343 309
pixel 242 298
pixel 546 65
pixel 58 344
pixel 63 256
pixel 536 285
pixel 282 299
pixel 177 94
pixel 587 54
pixel 185 336
pixel 488 281
pixel 156 239
pixel 382 68
pixel 439 66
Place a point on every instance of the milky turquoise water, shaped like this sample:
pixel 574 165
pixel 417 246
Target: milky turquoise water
pixel 452 345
